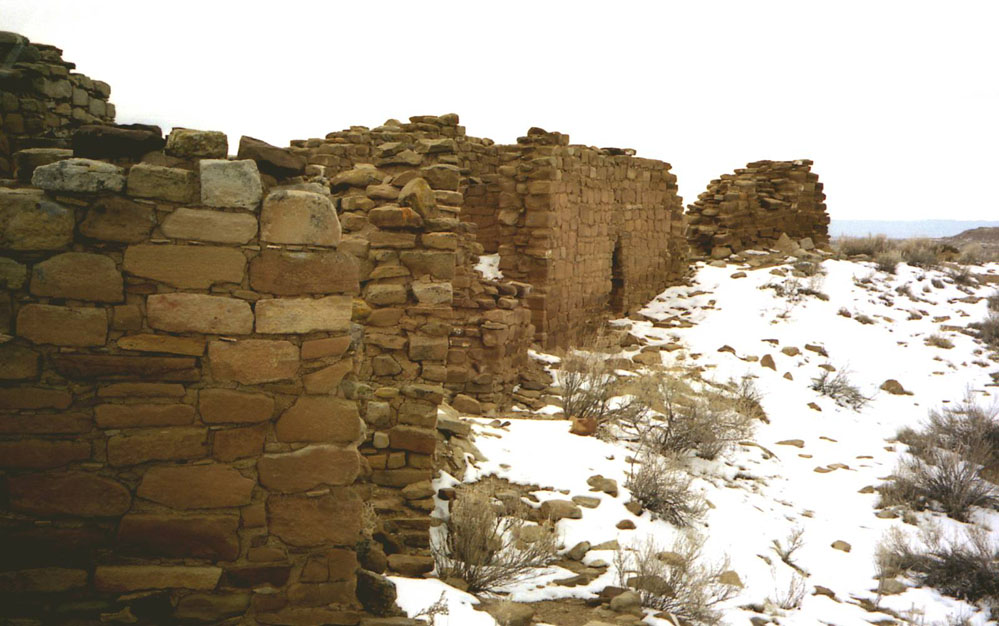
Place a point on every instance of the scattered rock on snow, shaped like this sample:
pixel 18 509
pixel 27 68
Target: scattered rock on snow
pixel 605 485
pixel 510 613
pixel 894 387
pixel 586 501
pixel 556 510
pixel 625 524
pixel 768 361
pixel 839 544
pixel 731 578
pixel 626 602
pixel 578 551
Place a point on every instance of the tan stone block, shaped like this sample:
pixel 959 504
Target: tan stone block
pixel 46 424
pixel 196 486
pixel 328 347
pixel 34 398
pixel 126 317
pixel 303 521
pixel 130 390
pixel 253 361
pixel 78 276
pixel 200 537
pixel 422 348
pixel 308 468
pixel 188 143
pixel 189 267
pixel 164 444
pixel 327 380
pixel 212 608
pixel 30 221
pixel 199 313
pixel 319 419
pixel 43 579
pixel 127 578
pixel 114 218
pixel 382 295
pixel 191 346
pixel 303 315
pixel 413 439
pixel 288 273
pixel 136 415
pixel 220 406
pixel 238 443
pixel 342 564
pixel 63 326
pixel 41 453
pixel 80 494
pixel 299 217
pixel 172 184
pixel 438 264
pixel 227 183
pixel 322 594
pixel 213 226
pixel 12 274
pixel 398 478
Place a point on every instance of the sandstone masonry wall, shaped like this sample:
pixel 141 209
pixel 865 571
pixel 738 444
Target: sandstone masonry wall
pixel 188 351
pixel 753 206
pixel 42 100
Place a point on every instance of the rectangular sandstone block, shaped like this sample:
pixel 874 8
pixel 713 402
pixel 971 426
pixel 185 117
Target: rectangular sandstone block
pixel 412 439
pixel 304 522
pixel 34 398
pixel 239 443
pixel 137 415
pixel 319 419
pixel 160 444
pixel 41 453
pixel 199 537
pixel 303 315
pixel 188 267
pixel 148 342
pixel 309 468
pixel 213 226
pixel 226 183
pixel 294 273
pixel 172 184
pixel 199 313
pixel 107 366
pixel 46 424
pixel 130 390
pixel 42 579
pixel 319 348
pixel 327 380
pixel 423 348
pixel 80 494
pixel 63 326
pixel 228 406
pixel 196 486
pixel 127 578
pixel 253 361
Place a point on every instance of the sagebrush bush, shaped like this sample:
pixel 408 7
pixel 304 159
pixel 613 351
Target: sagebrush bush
pixel 993 301
pixel 485 549
pixel 837 387
pixel 970 429
pixel 961 275
pixel 939 341
pixel 870 245
pixel 965 569
pixel 888 261
pixel 591 390
pixel 662 487
pixel 988 329
pixel 675 580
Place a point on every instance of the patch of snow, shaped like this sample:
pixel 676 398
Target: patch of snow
pixel 488 266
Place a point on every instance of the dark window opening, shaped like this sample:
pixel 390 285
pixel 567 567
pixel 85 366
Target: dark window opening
pixel 617 280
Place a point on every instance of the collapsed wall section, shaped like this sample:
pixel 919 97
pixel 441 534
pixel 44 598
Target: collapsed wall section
pixel 42 99
pixel 185 383
pixel 752 207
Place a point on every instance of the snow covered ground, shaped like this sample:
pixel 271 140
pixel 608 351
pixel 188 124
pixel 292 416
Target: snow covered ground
pixel 813 467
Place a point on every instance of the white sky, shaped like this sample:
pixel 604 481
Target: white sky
pixel 896 102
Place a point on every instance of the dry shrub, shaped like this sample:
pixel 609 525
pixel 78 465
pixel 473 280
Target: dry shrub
pixel 965 569
pixel 961 275
pixel 920 252
pixel 970 429
pixel 591 389
pixel 993 301
pixel 888 261
pixel 939 341
pixel 705 423
pixel 837 386
pixel 662 487
pixel 484 548
pixel 974 254
pixel 870 245
pixel 675 581
pixel 988 329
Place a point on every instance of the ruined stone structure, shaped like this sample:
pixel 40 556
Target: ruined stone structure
pixel 42 100
pixel 753 206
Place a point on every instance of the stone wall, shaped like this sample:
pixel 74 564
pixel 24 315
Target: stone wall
pixel 189 364
pixel 42 100
pixel 753 206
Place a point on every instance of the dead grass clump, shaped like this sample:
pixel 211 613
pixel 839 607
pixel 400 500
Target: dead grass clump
pixel 988 329
pixel 993 301
pixel 591 390
pixel 961 275
pixel 888 261
pixel 675 581
pixel 837 386
pixel 965 569
pixel 662 487
pixel 920 252
pixel 939 341
pixel 484 549
pixel 870 245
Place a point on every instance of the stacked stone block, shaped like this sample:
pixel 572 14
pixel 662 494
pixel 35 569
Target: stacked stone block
pixel 42 99
pixel 180 411
pixel 752 207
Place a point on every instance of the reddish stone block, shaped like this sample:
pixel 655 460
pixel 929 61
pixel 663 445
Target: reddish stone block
pixel 302 521
pixel 199 313
pixel 78 276
pixel 196 486
pixel 220 406
pixel 186 267
pixel 322 594
pixel 202 537
pixel 308 468
pixel 106 366
pixel 190 346
pixel 303 315
pixel 248 576
pixel 286 273
pixel 136 415
pixel 62 326
pixel 253 361
pixel 79 494
pixel 165 444
pixel 413 439
pixel 319 419
pixel 327 380
pixel 319 348
pixel 42 453
pixel 239 443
